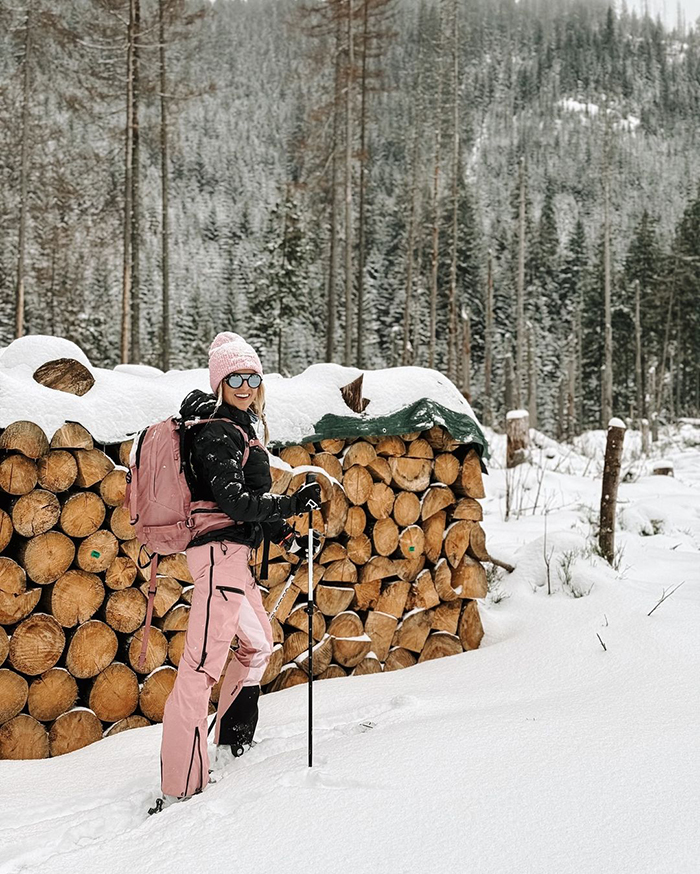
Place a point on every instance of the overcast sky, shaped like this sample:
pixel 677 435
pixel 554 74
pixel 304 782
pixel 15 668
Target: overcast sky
pixel 667 9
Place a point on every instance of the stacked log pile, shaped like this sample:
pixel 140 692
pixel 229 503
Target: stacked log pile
pixel 396 579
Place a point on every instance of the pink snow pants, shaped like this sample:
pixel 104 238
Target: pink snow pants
pixel 226 602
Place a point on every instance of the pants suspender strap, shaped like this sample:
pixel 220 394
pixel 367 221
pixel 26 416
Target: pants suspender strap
pixel 149 610
pixel 265 558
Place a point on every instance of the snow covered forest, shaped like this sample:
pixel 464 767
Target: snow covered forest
pixel 506 191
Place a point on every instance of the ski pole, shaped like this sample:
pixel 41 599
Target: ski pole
pixel 310 611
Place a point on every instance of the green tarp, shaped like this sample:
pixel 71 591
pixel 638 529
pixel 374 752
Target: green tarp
pixel 421 416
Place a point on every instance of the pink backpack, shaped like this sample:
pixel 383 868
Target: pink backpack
pixel 159 501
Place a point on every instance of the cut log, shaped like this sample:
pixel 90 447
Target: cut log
pixel 277 572
pixel 457 541
pixel 76 597
pixel 14 608
pixel 470 629
pixel 446 616
pixel 114 693
pixel 65 374
pixel 135 721
pixel 393 598
pixel 277 631
pixel 412 541
pixel 294 645
pixel 423 594
pixel 377 568
pixel 141 558
pixel 407 509
pixel 299 619
pixel 411 474
pixel 6 530
pixel 93 467
pixel 335 512
pixel 330 463
pixel 442 577
pixel 438 497
pixel 74 730
pixel 419 448
pixel 385 536
pixel 280 602
pixel 441 439
pixel 167 595
pixel 347 624
pixel 332 672
pixel 359 549
pixel 434 529
pixel 97 552
pixel 13 694
pixel 295 456
pixel 380 628
pixel 121 573
pixel 358 483
pixel 56 471
pixel 332 600
pixel 274 666
pixel 477 543
pixel 4 645
pixel 124 452
pixel 175 565
pixel 413 630
pixel 18 475
pixel 407 569
pixel 446 468
pixel 113 488
pixel 175 650
pixel 23 738
pixel 469 579
pixel 380 470
pixel 186 596
pixel 51 694
pixel 322 654
pixel 301 578
pixel 125 610
pixel 92 647
pixel 469 509
pixel 36 644
pixel 350 651
pixel 120 524
pixel 334 445
pixel 333 551
pixel 47 556
pixel 361 453
pixel 438 645
pixel 399 658
pixel 289 676
pixel 352 395
pixel 13 579
pixel 154 692
pixel 72 436
pixel 470 481
pixel 366 595
pixel 26 438
pixel 369 665
pixel 281 480
pixel 35 513
pixel 391 446
pixel 82 515
pixel 380 501
pixel 176 618
pixel 354 524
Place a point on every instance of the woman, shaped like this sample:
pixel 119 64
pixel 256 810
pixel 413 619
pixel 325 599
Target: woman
pixel 226 601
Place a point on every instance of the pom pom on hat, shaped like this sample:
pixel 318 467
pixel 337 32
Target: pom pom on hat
pixel 228 353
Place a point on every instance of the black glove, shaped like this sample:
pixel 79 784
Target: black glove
pixel 299 543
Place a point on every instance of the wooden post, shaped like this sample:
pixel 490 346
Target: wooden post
pixel 611 480
pixel 517 437
pixel 646 437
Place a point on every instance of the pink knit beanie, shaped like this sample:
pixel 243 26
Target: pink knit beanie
pixel 228 353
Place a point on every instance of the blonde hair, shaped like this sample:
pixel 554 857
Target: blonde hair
pixel 258 407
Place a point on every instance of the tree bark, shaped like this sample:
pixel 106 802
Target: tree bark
pixel 128 190
pixel 611 481
pixel 520 293
pixel 24 178
pixel 164 194
pixel 488 344
pixel 348 186
pixel 135 192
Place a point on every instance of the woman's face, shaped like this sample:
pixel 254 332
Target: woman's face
pixel 240 398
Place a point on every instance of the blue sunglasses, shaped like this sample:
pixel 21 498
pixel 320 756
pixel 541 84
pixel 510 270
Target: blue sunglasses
pixel 236 380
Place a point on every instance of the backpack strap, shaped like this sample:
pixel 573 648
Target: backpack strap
pixel 153 585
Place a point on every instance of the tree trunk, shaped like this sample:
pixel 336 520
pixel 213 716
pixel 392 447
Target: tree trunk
pixel 361 206
pixel 452 351
pixel 607 386
pixel 164 194
pixel 436 208
pixel 348 187
pixel 520 294
pixel 532 376
pixel 135 193
pixel 517 437
pixel 488 345
pixel 638 378
pixel 24 178
pixel 126 326
pixel 611 480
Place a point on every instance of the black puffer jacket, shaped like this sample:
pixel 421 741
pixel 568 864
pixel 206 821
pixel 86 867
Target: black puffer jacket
pixel 215 472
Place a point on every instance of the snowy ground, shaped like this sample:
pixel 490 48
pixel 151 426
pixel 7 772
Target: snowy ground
pixel 540 752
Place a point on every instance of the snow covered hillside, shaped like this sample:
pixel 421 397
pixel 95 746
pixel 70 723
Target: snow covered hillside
pixel 567 743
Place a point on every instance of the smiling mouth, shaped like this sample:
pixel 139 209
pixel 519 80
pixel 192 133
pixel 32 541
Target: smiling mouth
pixel 243 397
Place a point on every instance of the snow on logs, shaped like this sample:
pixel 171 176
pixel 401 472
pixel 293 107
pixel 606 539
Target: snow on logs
pixel 396 579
